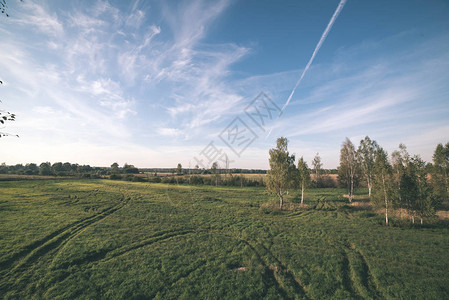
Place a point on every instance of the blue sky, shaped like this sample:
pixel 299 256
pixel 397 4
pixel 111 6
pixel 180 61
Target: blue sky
pixel 153 83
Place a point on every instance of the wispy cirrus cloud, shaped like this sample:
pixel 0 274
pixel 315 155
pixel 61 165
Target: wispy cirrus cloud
pixel 38 17
pixel 146 74
pixel 95 79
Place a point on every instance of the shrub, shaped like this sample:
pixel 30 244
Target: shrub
pixel 115 177
pixel 155 179
pixel 128 177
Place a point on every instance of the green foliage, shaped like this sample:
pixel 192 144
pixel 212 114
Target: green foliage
pixel 303 177
pixel 413 191
pixel 45 169
pixel 114 168
pixel 382 179
pixel 179 169
pixel 366 155
pixel 303 172
pixel 115 177
pixel 317 165
pixel 349 169
pixel 130 169
pixel 424 204
pixel 282 173
pixel 440 172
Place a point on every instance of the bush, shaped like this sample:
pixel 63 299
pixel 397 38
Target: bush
pixel 325 181
pixel 155 179
pixel 128 177
pixel 138 179
pixel 196 180
pixel 115 177
pixel 168 179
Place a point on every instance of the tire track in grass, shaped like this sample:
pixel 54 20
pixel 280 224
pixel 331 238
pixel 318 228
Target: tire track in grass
pixel 108 254
pixel 347 272
pixel 36 244
pixel 285 274
pixel 363 280
pixel 64 236
pixel 368 279
pixel 183 275
pixel 299 215
pixel 269 275
pixel 105 255
pixel 277 273
pixel 52 242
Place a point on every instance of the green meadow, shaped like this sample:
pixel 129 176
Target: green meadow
pixel 102 239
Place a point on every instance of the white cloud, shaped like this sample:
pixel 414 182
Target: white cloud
pixel 169 131
pixel 37 17
pixel 98 77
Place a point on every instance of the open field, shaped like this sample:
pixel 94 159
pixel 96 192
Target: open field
pixel 110 239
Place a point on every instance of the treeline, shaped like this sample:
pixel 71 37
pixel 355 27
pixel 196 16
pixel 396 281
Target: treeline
pixel 198 171
pixel 226 177
pixel 67 170
pixel 215 180
pixel 55 169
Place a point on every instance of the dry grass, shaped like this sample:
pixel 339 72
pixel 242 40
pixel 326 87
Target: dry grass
pixel 358 197
pixel 443 215
pixel 362 204
pixel 400 213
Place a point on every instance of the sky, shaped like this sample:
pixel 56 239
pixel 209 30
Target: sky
pixel 156 83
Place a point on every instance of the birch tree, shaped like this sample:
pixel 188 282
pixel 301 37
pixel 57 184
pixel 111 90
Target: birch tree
pixel 382 179
pixel 179 169
pixel 317 165
pixel 215 171
pixel 303 176
pixel 440 172
pixel 366 155
pixel 348 166
pixel 423 204
pixel 400 160
pixel 281 175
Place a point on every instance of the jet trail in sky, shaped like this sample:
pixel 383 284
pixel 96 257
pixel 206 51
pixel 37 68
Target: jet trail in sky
pixel 317 48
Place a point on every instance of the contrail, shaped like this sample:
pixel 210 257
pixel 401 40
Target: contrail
pixel 317 48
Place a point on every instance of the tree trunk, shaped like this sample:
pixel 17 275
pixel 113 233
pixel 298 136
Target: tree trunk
pixel 399 190
pixel 352 189
pixel 281 200
pixel 386 201
pixel 302 193
pixel 421 220
pixel 413 219
pixel 369 187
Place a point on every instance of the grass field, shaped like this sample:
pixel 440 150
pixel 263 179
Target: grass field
pixel 108 239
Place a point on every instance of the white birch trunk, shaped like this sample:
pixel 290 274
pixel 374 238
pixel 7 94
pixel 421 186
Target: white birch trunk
pixel 386 200
pixel 302 193
pixel 352 189
pixel 369 187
